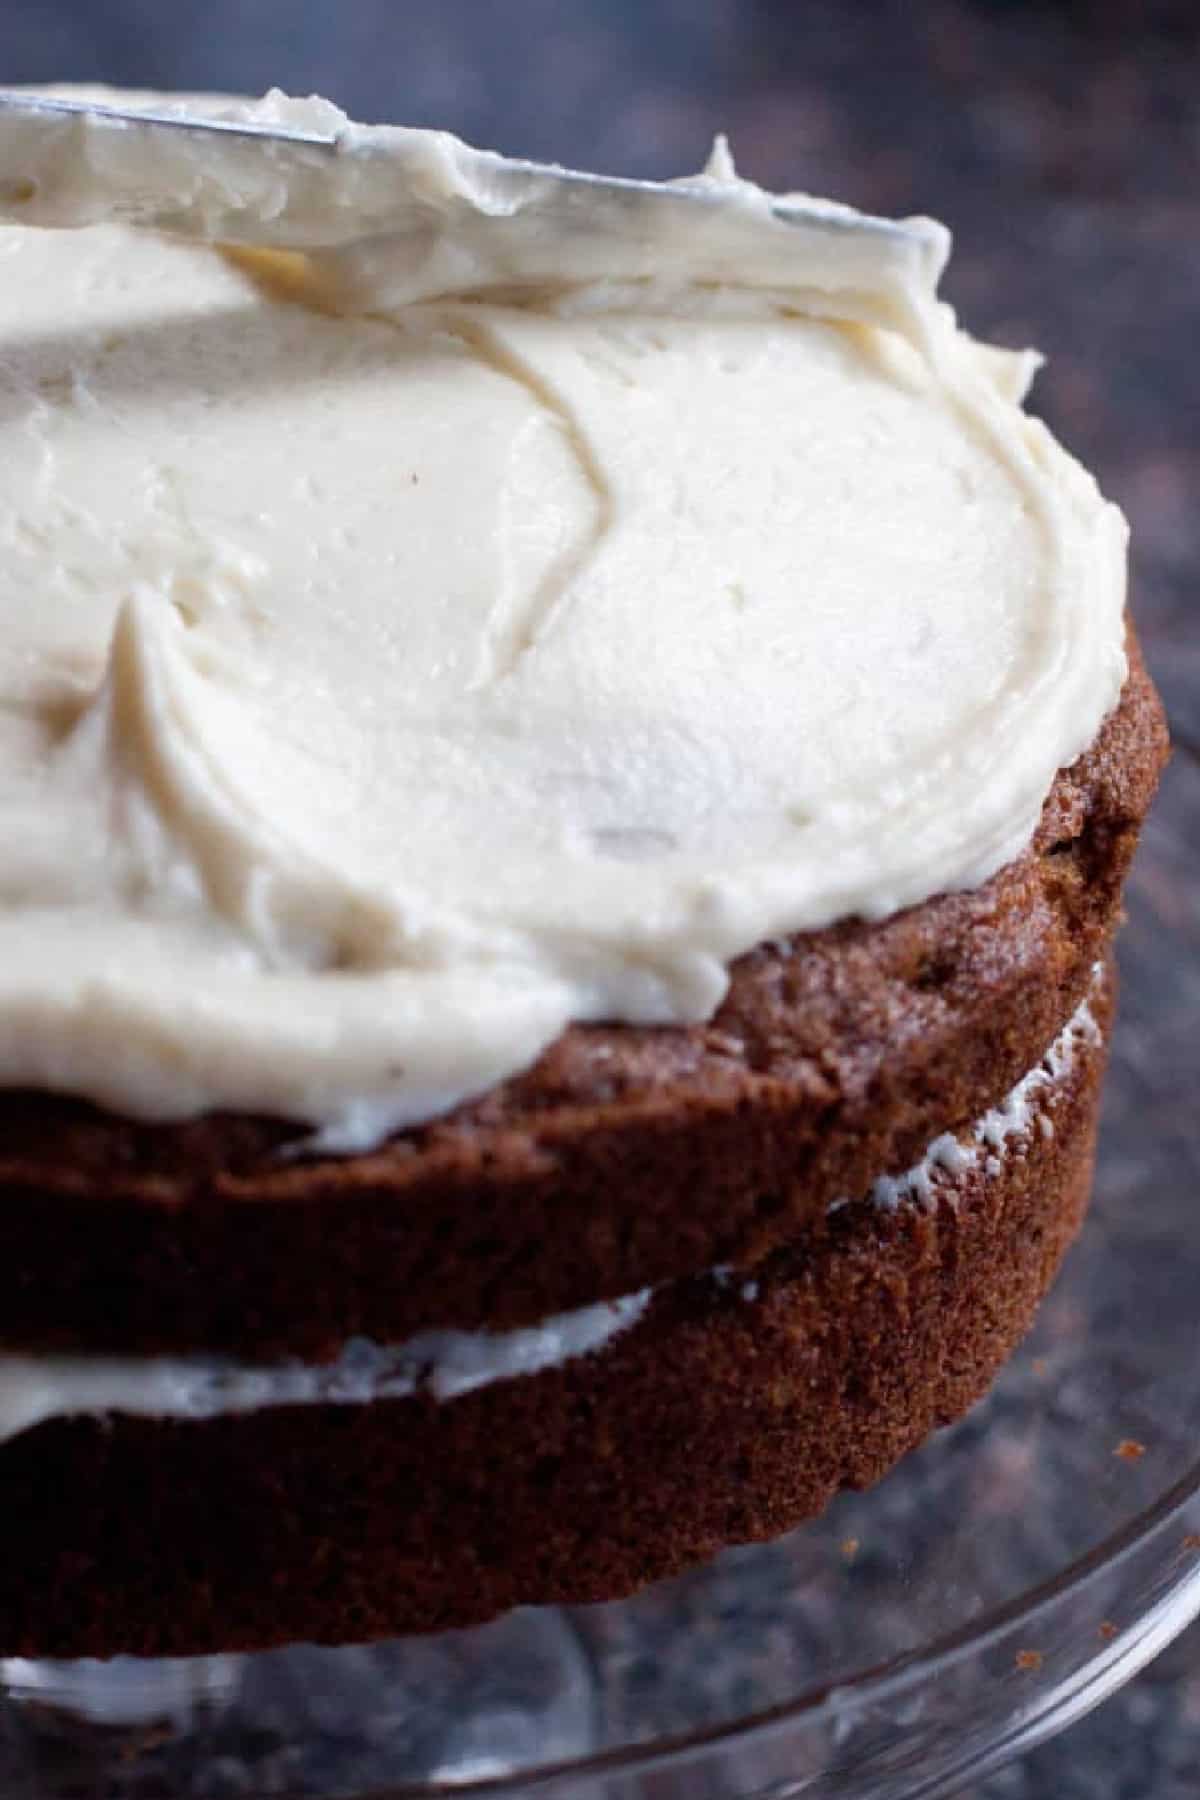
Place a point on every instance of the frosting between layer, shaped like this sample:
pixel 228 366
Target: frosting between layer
pixel 383 689
pixel 446 1364
pixel 1014 1116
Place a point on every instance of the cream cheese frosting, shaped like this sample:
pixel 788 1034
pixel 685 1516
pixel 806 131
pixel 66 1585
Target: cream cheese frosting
pixel 444 1364
pixel 1027 1106
pixel 398 215
pixel 410 649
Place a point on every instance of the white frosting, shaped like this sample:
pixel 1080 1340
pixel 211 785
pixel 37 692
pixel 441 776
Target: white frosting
pixel 445 1364
pixel 1015 1116
pixel 378 694
pixel 400 215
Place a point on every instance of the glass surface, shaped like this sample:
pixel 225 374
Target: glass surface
pixel 1003 1579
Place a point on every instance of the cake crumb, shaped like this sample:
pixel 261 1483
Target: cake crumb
pixel 1129 1450
pixel 850 1548
pixel 1028 1660
pixel 1107 1630
pixel 1192 1541
pixel 1040 1366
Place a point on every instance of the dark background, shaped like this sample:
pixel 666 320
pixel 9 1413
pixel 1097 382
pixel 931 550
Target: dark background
pixel 1061 142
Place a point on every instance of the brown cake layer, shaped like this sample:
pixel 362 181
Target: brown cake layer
pixel 624 1157
pixel 728 1412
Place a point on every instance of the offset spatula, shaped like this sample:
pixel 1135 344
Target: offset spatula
pixel 68 162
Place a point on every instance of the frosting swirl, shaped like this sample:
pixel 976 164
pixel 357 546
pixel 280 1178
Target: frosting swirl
pixel 390 675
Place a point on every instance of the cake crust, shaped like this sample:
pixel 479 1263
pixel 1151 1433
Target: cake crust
pixel 625 1157
pixel 340 1524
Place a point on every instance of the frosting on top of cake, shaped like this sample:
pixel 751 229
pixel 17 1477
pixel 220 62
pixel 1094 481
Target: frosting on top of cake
pixel 410 649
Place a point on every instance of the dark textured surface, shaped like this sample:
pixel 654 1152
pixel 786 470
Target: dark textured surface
pixel 1060 142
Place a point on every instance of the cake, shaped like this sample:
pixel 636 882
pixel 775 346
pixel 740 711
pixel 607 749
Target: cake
pixel 564 799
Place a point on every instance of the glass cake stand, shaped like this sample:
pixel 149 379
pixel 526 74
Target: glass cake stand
pixel 1005 1578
